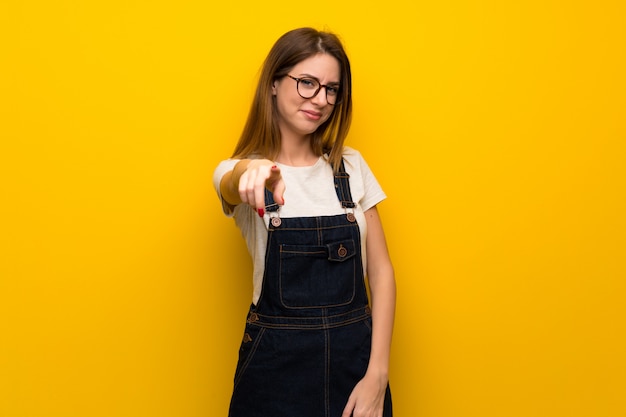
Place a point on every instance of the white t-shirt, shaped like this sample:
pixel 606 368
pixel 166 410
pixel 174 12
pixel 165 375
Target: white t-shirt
pixel 309 191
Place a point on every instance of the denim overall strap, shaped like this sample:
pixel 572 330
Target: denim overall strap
pixel 342 187
pixel 270 205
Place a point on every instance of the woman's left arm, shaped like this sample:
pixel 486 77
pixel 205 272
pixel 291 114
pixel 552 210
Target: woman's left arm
pixel 367 398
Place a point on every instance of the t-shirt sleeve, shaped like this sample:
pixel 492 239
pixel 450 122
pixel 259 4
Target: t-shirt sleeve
pixel 222 168
pixel 372 191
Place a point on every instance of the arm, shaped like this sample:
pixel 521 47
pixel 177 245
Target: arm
pixel 229 186
pixel 367 398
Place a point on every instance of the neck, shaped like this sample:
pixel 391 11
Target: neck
pixel 296 152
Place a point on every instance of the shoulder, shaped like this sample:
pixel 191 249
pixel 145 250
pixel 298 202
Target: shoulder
pixel 350 153
pixel 352 158
pixel 355 161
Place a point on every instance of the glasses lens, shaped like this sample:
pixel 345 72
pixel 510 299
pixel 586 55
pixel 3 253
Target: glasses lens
pixel 332 94
pixel 307 87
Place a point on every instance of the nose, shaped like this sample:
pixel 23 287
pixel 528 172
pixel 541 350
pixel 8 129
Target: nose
pixel 320 98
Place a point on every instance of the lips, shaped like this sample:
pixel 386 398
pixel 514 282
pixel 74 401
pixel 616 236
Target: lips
pixel 312 115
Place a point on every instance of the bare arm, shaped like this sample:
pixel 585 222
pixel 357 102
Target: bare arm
pixel 367 398
pixel 383 290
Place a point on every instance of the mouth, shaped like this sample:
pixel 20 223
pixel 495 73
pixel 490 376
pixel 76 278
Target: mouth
pixel 312 115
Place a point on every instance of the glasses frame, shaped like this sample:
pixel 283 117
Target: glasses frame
pixel 319 87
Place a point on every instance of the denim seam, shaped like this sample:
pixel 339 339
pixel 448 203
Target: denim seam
pixel 253 350
pixel 323 326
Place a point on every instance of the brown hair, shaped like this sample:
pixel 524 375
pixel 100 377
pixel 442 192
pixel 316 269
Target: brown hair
pixel 261 135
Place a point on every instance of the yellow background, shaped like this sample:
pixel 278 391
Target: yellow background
pixel 496 128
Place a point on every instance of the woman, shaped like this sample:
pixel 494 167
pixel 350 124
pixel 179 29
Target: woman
pixel 306 206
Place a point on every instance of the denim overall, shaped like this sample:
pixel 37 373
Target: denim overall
pixel 307 341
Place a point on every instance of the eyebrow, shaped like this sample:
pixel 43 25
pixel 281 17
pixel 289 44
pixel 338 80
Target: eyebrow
pixel 305 75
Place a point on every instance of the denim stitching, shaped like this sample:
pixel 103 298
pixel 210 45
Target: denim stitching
pixel 248 359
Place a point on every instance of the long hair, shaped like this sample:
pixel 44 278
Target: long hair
pixel 261 135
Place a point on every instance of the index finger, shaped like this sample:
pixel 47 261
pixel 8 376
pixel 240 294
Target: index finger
pixel 259 187
pixel 276 185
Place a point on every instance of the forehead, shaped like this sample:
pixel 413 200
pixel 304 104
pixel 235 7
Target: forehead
pixel 322 66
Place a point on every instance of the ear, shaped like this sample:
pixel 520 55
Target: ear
pixel 274 88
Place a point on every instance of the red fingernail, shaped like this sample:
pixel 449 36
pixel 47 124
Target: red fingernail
pixel 261 212
pixel 274 167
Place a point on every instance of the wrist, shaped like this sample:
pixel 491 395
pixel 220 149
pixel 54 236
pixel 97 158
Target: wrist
pixel 238 170
pixel 229 186
pixel 380 373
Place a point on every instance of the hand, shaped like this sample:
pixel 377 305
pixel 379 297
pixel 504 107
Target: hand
pixel 259 175
pixel 367 397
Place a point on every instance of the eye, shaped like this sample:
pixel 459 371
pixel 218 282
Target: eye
pixel 308 82
pixel 333 90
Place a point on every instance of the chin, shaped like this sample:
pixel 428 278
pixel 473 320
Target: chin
pixel 309 129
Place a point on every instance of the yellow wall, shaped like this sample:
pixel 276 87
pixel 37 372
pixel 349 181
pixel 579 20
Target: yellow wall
pixel 496 129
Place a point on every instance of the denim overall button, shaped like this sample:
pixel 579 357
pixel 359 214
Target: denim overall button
pixel 341 251
pixel 247 338
pixel 351 217
pixel 253 317
pixel 276 221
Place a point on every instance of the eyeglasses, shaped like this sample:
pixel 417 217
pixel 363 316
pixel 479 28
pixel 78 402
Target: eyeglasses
pixel 309 87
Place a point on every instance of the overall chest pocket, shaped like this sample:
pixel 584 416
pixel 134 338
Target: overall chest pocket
pixel 318 276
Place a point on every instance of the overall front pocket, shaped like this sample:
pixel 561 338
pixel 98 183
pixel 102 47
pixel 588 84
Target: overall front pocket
pixel 318 276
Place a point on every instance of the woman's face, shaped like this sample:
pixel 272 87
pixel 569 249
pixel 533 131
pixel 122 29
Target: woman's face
pixel 297 116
